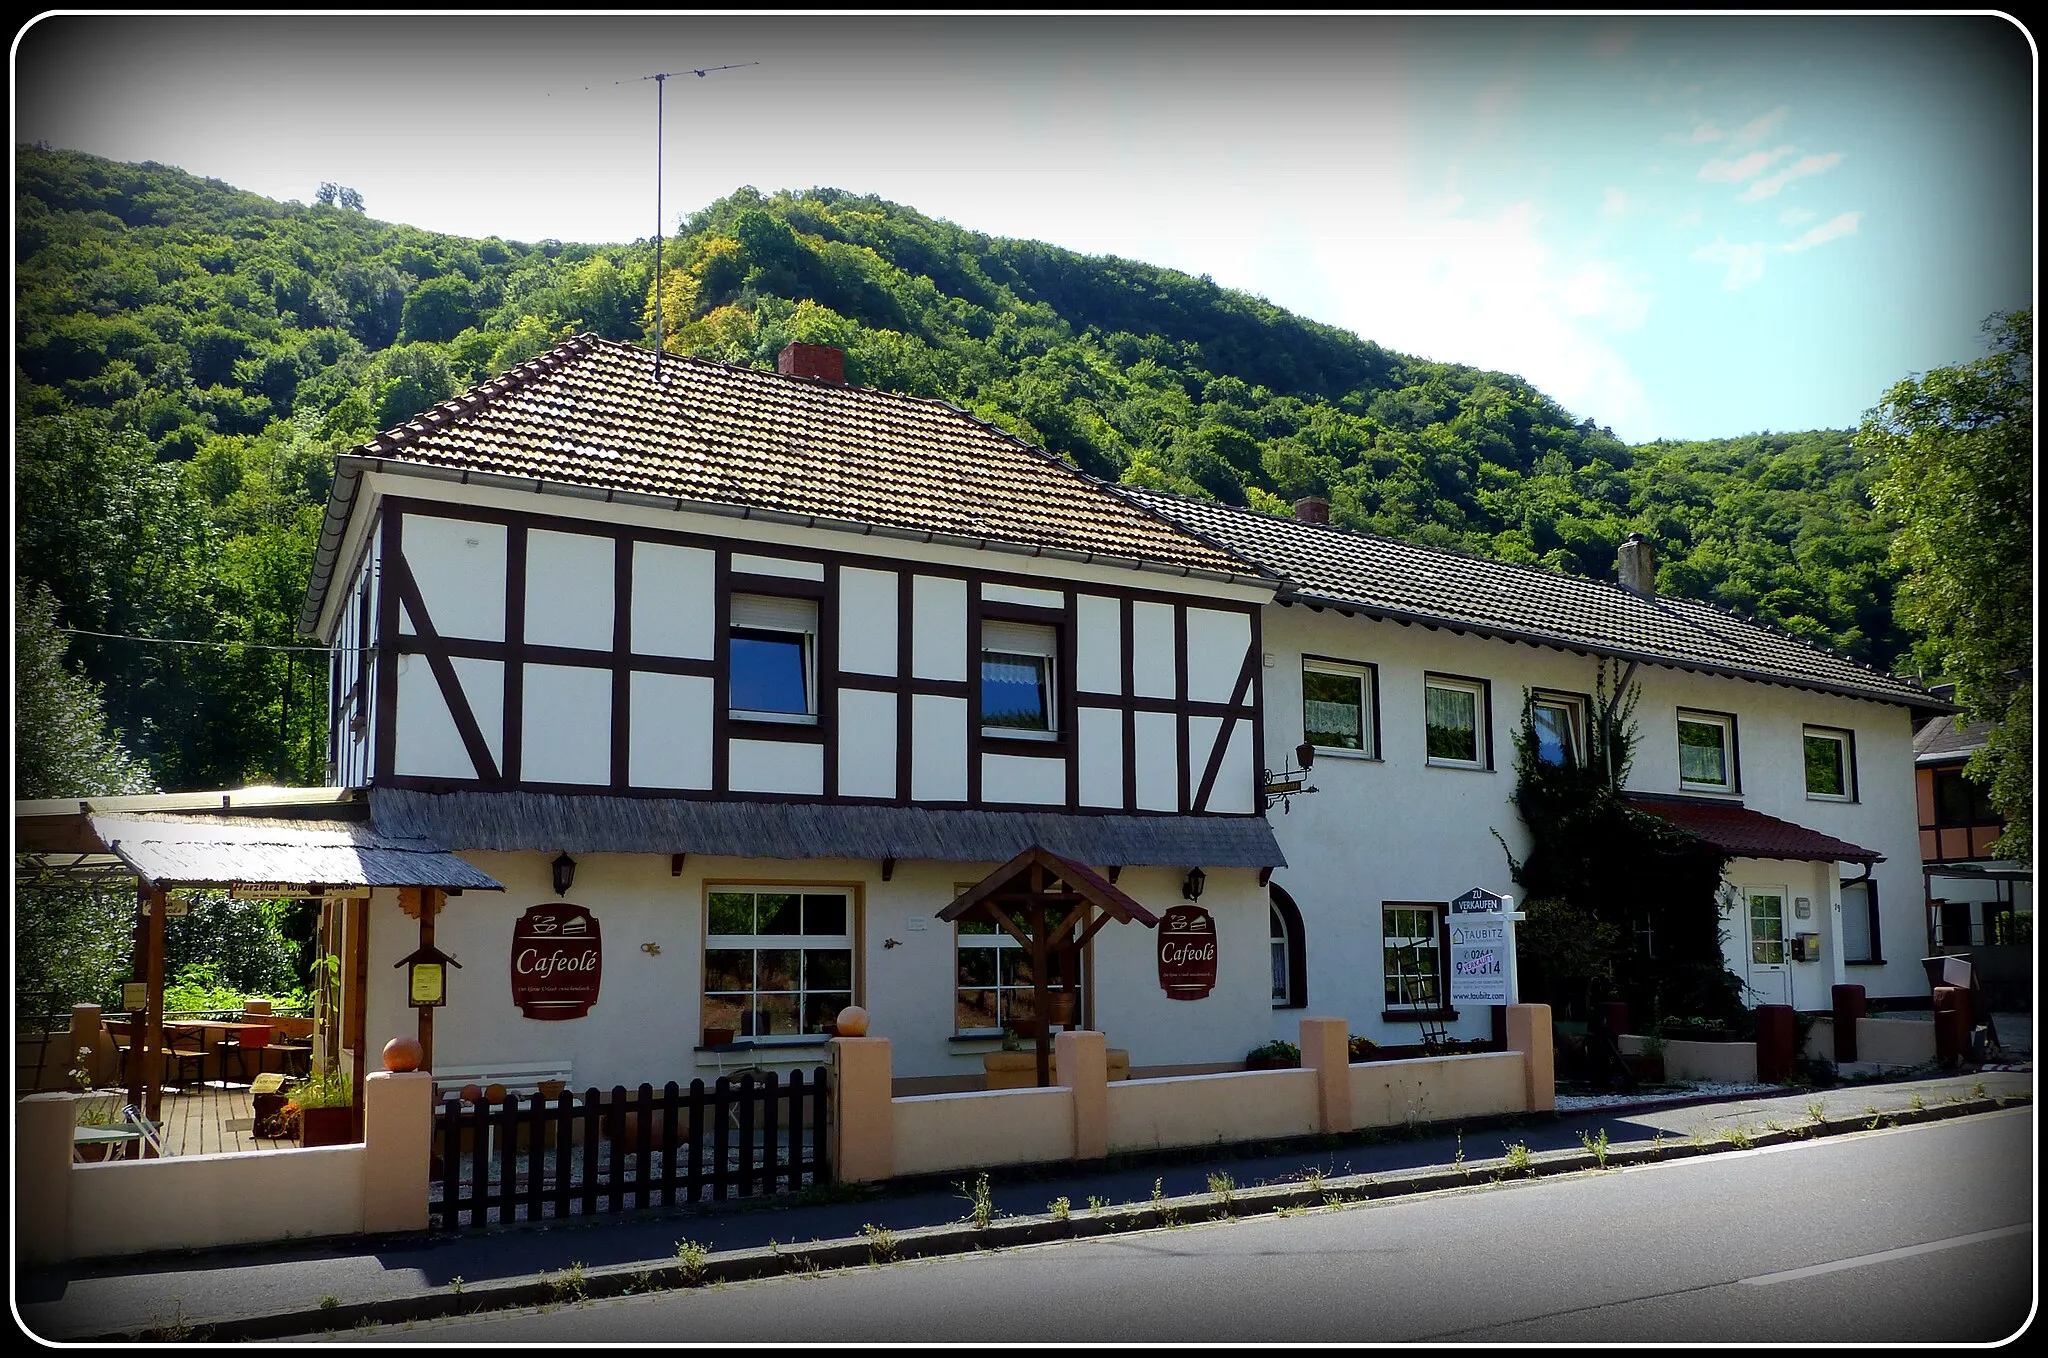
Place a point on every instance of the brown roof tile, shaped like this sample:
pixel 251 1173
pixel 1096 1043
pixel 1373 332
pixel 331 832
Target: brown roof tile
pixel 1742 833
pixel 590 412
pixel 1384 577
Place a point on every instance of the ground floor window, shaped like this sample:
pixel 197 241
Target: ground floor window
pixel 778 961
pixel 1290 961
pixel 1860 940
pixel 995 986
pixel 1412 960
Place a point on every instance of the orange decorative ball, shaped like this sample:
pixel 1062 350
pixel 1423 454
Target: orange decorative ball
pixel 472 1092
pixel 403 1053
pixel 853 1021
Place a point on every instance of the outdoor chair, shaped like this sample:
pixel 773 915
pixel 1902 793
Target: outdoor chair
pixel 185 1052
pixel 240 1044
pixel 152 1132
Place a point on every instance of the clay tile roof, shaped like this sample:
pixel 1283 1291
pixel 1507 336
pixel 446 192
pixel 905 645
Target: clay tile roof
pixel 1382 577
pixel 589 412
pixel 1742 833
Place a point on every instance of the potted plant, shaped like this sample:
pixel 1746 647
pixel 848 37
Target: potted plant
pixel 1364 1049
pixel 324 1104
pixel 1274 1055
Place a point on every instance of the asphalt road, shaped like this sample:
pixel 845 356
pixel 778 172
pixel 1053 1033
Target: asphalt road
pixel 1917 1234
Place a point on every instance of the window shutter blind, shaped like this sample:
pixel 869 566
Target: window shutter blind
pixel 1016 638
pixel 774 614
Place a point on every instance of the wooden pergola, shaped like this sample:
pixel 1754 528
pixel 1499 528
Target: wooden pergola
pixel 299 842
pixel 1058 900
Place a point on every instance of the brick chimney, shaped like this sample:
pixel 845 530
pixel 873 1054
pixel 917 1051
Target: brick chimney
pixel 812 360
pixel 1312 509
pixel 1636 565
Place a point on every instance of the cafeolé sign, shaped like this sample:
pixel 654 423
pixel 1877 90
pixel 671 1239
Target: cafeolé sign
pixel 557 961
pixel 1187 953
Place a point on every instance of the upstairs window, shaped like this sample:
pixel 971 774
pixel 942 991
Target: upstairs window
pixel 774 662
pixel 1959 800
pixel 1830 765
pixel 1018 665
pixel 1706 751
pixel 1560 724
pixel 1337 707
pixel 1455 712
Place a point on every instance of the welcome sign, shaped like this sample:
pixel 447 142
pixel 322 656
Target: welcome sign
pixel 557 962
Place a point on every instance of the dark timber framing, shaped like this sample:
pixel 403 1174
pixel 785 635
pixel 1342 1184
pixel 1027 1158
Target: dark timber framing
pixel 1196 773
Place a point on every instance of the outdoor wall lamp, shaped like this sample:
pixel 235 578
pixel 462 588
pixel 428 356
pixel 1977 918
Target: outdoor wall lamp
pixel 1192 887
pixel 565 873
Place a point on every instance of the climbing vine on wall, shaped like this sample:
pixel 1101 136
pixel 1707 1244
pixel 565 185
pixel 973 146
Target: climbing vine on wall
pixel 1620 904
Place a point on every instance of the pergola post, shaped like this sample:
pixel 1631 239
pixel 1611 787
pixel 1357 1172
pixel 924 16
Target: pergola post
pixel 152 900
pixel 430 900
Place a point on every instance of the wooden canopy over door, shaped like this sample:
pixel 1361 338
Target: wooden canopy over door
pixel 1057 900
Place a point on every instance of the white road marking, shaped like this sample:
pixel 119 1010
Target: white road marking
pixel 1883 1256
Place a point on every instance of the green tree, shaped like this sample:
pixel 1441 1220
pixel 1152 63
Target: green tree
pixel 71 942
pixel 1955 450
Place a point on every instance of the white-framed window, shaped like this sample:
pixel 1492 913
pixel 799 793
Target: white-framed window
pixel 1411 960
pixel 1019 679
pixel 1337 707
pixel 778 960
pixel 1706 751
pixel 773 660
pixel 1454 715
pixel 994 984
pixel 1830 757
pixel 1861 940
pixel 1560 723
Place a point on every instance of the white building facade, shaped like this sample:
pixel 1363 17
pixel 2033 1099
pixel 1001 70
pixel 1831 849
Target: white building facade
pixel 778 668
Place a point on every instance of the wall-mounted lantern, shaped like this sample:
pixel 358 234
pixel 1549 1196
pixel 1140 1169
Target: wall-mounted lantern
pixel 565 873
pixel 1192 887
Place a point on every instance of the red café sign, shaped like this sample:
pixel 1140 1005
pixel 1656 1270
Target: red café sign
pixel 557 961
pixel 1187 953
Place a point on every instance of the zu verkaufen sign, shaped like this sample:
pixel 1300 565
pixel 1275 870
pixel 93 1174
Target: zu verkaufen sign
pixel 557 962
pixel 1481 948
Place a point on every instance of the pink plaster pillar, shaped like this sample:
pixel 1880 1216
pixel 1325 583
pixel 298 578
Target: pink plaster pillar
pixel 863 1135
pixel 1529 1034
pixel 1080 1062
pixel 1326 1050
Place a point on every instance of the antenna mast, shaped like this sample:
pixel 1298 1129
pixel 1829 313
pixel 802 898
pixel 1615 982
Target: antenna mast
pixel 660 79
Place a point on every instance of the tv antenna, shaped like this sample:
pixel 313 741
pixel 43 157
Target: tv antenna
pixel 661 79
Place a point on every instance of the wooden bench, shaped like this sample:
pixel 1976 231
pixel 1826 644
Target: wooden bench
pixel 517 1079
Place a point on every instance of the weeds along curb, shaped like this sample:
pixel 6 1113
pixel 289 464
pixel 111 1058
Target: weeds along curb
pixel 956 1238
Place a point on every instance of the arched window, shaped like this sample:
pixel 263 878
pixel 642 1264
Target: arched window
pixel 1290 956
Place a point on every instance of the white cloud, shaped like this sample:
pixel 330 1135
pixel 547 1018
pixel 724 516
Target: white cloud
pixel 1720 171
pixel 1832 229
pixel 1745 263
pixel 1612 42
pixel 1793 216
pixel 1701 134
pixel 1614 203
pixel 1687 219
pixel 1757 128
pixel 1769 186
pixel 1442 282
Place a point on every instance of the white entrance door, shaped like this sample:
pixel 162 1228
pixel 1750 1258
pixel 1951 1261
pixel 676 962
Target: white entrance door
pixel 1769 978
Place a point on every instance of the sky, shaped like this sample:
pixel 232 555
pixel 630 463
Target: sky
pixel 1683 228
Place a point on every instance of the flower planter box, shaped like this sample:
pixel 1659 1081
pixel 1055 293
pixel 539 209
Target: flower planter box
pixel 1270 1063
pixel 327 1126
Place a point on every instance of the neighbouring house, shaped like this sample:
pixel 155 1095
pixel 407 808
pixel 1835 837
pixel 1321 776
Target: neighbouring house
pixel 1977 904
pixel 736 680
pixel 1407 669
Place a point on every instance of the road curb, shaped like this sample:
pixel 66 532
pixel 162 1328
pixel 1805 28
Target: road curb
pixel 570 1286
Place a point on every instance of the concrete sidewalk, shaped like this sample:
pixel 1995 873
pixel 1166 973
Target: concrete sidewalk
pixel 298 1290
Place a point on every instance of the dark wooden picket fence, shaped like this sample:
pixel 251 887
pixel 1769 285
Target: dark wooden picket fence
pixel 528 1158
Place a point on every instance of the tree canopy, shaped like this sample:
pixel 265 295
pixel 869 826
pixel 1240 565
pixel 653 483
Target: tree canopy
pixel 1956 451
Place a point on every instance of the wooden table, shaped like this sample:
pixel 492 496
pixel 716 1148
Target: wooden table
pixel 203 1027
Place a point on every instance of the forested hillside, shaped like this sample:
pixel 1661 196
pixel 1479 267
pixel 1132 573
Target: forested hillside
pixel 190 358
